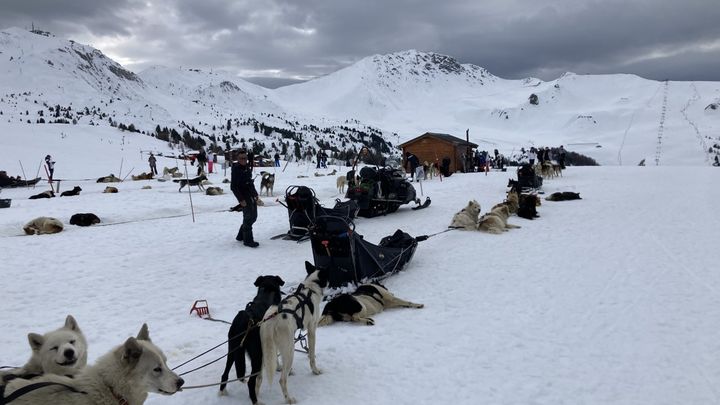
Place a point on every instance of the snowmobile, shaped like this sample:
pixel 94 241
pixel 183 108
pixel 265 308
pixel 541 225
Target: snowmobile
pixel 380 191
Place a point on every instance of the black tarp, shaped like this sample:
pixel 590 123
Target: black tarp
pixel 350 258
pixel 303 207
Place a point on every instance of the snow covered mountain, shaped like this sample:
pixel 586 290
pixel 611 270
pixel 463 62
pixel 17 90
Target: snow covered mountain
pixel 380 100
pixel 617 119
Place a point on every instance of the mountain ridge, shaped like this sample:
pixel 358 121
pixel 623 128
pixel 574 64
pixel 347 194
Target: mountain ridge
pixel 392 97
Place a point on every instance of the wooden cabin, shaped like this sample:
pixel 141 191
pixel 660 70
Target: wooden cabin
pixel 434 147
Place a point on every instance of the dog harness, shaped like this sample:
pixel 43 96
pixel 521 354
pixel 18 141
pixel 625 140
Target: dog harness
pixel 303 300
pixel 30 388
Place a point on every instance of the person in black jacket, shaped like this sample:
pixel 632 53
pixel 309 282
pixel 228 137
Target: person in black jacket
pixel 413 163
pixel 243 188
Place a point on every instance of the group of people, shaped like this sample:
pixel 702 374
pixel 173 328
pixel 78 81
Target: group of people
pixel 545 154
pixel 321 159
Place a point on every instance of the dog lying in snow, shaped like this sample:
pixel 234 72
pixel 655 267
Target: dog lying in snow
pixel 563 196
pixel 495 221
pixel 367 300
pixel 43 225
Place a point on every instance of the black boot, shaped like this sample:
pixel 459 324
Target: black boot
pixel 241 235
pixel 249 241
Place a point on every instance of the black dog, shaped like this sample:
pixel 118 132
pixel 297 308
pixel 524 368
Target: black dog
pixel 75 191
pixel 86 219
pixel 244 333
pixel 197 181
pixel 563 196
pixel 44 194
pixel 527 206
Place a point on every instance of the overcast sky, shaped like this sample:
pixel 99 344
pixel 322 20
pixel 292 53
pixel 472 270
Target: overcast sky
pixel 301 39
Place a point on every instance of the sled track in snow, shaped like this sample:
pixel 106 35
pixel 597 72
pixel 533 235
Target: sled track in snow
pixel 683 111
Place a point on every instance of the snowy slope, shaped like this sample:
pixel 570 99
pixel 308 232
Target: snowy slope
pixel 616 119
pixel 611 299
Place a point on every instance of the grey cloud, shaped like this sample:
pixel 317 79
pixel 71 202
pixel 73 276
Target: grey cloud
pixel 511 38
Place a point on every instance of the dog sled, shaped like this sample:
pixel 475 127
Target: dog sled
pixel 528 181
pixel 353 260
pixel 381 191
pixel 11 182
pixel 303 208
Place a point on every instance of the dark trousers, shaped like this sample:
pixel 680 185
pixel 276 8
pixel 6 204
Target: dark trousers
pixel 249 217
pixel 249 214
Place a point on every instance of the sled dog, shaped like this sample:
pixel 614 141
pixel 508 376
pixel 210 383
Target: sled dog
pixel 110 189
pixel 171 171
pixel 196 181
pixel 341 182
pixel 43 225
pixel 142 176
pixel 123 376
pixel 61 352
pixel 84 219
pixel 467 217
pixel 367 300
pixel 495 221
pixel 44 194
pixel 75 191
pixel 267 181
pixel 244 334
pixel 528 206
pixel 214 191
pixel 300 310
pixel 512 202
pixel 108 179
pixel 563 196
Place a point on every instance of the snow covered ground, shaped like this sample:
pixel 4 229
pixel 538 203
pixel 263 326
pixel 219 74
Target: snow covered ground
pixel 612 299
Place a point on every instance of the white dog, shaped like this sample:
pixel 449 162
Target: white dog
pixel 341 182
pixel 43 225
pixel 124 376
pixel 62 352
pixel 367 300
pixel 467 218
pixel 300 310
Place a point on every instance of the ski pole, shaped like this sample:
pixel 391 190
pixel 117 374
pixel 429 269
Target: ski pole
pixel 23 172
pixel 192 208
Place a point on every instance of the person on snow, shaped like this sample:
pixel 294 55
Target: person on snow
pixel 153 164
pixel 561 157
pixel 413 162
pixel 50 163
pixel 243 188
pixel 532 155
